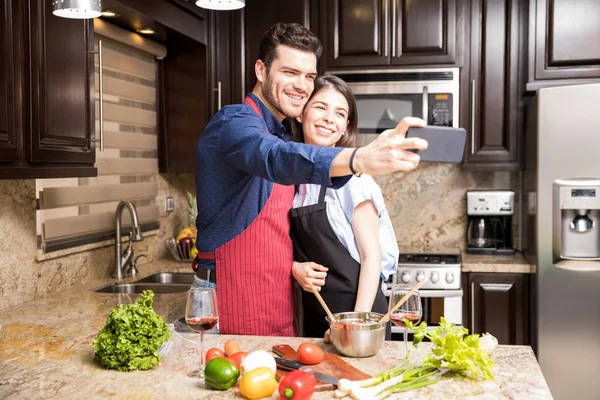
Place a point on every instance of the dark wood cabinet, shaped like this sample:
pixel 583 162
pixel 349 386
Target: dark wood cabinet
pixel 564 42
pixel 498 303
pixel 183 104
pixel 61 88
pixel 360 33
pixel 496 84
pixel 11 129
pixel 46 93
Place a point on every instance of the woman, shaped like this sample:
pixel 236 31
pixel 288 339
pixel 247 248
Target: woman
pixel 347 231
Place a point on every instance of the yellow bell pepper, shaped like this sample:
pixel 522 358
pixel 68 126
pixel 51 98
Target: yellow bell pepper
pixel 258 383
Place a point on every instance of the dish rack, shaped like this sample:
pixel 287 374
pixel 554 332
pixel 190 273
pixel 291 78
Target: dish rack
pixel 176 252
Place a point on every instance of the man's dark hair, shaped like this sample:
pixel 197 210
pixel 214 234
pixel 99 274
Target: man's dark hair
pixel 291 35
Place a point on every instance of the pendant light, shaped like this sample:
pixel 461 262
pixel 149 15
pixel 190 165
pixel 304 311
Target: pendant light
pixel 221 4
pixel 77 9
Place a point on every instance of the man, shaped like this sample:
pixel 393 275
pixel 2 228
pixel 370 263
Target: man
pixel 244 185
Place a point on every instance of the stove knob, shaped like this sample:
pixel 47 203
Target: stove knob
pixel 435 277
pixel 405 277
pixel 420 276
pixel 449 277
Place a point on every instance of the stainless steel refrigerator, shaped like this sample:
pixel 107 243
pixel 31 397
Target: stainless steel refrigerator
pixel 561 224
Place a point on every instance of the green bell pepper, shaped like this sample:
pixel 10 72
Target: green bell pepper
pixel 220 374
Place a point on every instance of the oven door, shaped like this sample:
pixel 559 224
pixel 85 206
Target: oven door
pixel 437 304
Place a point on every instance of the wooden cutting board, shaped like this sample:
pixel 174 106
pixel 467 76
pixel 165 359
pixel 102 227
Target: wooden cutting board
pixel 332 365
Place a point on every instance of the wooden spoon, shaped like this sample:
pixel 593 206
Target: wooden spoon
pixel 402 300
pixel 316 292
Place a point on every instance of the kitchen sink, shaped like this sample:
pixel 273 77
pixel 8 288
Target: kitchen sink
pixel 169 277
pixel 140 287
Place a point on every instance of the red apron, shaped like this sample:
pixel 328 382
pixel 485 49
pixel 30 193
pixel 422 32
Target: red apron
pixel 254 270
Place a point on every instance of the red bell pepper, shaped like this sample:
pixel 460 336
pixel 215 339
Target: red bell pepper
pixel 297 385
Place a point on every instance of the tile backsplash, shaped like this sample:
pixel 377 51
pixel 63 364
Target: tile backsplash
pixel 22 278
pixel 427 207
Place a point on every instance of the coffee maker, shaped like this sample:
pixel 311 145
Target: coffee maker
pixel 576 220
pixel 489 222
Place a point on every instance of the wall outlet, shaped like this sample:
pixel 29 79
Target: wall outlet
pixel 170 206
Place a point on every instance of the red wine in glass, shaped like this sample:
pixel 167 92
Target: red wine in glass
pixel 398 317
pixel 202 324
pixel 202 315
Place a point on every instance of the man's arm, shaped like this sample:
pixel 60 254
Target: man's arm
pixel 388 153
pixel 244 144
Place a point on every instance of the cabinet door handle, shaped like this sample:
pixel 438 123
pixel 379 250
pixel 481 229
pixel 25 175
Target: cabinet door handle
pixel 425 102
pixel 386 31
pixel 496 287
pixel 218 90
pixel 100 95
pixel 472 307
pixel 473 97
pixel 394 27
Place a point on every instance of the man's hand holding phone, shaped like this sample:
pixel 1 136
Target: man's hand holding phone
pixel 390 151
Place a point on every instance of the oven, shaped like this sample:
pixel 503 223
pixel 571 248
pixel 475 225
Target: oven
pixel 384 97
pixel 442 294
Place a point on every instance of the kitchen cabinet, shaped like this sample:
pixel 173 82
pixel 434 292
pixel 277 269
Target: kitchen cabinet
pixel 11 124
pixel 197 79
pixel 362 33
pixel 46 93
pixel 498 303
pixel 183 104
pixel 564 42
pixel 497 84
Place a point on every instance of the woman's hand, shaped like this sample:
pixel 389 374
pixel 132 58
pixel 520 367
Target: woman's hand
pixel 313 271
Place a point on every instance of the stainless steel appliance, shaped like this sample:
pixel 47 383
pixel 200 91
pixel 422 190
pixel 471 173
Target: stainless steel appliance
pixel 561 236
pixel 442 294
pixel 386 96
pixel 489 222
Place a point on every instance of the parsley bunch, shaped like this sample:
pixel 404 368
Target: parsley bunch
pixel 132 336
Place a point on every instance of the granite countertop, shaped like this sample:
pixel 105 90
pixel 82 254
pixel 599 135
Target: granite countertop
pixel 46 352
pixel 515 263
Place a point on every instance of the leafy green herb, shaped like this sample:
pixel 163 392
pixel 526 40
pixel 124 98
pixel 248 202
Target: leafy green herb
pixel 132 336
pixel 455 349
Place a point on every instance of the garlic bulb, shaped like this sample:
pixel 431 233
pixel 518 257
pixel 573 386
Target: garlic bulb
pixel 488 343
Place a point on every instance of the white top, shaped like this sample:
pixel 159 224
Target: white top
pixel 340 208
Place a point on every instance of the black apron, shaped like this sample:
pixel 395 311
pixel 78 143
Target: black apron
pixel 314 240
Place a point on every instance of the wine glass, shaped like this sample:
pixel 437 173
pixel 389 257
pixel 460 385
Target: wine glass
pixel 201 314
pixel 411 309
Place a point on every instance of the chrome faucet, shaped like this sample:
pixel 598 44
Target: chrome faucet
pixel 124 259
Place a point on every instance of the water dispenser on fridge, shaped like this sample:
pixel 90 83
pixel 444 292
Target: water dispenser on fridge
pixel 576 223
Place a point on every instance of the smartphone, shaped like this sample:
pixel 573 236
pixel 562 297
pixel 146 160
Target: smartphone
pixel 445 144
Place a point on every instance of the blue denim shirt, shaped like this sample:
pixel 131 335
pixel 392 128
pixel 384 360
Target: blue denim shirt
pixel 237 162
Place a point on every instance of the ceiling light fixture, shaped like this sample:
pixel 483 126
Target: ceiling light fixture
pixel 146 31
pixel 77 9
pixel 221 4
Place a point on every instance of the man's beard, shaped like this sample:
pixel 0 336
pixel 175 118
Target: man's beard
pixel 268 95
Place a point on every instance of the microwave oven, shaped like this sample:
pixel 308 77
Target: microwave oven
pixel 385 96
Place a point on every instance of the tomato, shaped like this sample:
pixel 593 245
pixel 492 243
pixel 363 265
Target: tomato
pixel 214 353
pixel 237 358
pixel 309 354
